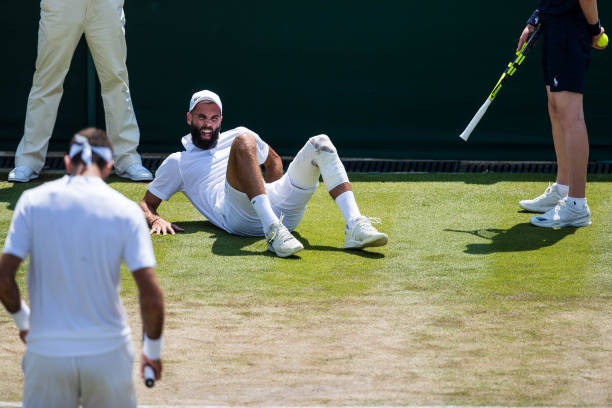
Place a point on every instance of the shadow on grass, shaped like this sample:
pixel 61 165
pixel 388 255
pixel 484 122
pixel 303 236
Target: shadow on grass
pixel 13 191
pixel 233 245
pixel 521 237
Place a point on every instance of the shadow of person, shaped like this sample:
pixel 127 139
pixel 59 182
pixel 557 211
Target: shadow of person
pixel 226 244
pixel 521 237
pixel 357 252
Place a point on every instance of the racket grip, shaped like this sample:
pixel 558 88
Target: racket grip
pixel 149 376
pixel 470 127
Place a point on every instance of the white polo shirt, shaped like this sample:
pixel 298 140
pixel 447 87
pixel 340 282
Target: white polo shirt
pixel 77 230
pixel 200 174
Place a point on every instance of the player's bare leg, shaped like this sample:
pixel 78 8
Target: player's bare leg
pixel 244 174
pixel 572 210
pixel 558 191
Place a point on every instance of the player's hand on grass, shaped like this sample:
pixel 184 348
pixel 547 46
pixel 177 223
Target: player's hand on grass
pixel 163 227
pixel 596 39
pixel 529 29
pixel 156 365
pixel 23 334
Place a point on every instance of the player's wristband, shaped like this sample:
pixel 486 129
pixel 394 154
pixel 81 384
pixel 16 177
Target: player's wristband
pixel 152 348
pixel 534 19
pixel 595 29
pixel 22 317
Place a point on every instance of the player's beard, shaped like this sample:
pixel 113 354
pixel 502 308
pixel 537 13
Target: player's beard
pixel 204 144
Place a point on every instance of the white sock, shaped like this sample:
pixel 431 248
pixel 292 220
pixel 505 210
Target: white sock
pixel 577 203
pixel 348 206
pixel 562 189
pixel 262 206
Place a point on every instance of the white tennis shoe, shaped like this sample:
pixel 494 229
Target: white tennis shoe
pixel 563 215
pixel 544 202
pixel 362 234
pixel 22 174
pixel 136 172
pixel 281 242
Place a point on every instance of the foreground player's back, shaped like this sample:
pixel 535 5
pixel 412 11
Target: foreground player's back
pixel 78 229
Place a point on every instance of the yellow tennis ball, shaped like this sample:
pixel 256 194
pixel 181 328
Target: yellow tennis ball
pixel 603 40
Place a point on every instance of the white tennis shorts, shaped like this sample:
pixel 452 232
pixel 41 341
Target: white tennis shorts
pixel 101 380
pixel 286 199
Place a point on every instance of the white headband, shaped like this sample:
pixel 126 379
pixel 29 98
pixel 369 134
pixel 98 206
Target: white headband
pixel 82 146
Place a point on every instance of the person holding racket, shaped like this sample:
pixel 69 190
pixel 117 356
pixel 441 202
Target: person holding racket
pixel 570 28
pixel 77 231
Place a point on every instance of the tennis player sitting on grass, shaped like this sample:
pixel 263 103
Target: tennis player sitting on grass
pixel 77 230
pixel 220 174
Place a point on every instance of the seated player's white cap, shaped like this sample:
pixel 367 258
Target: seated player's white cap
pixel 205 96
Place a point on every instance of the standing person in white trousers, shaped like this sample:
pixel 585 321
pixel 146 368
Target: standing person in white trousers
pixel 62 23
pixel 77 231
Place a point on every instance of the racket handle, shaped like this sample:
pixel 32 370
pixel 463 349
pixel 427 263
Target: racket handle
pixel 149 376
pixel 470 127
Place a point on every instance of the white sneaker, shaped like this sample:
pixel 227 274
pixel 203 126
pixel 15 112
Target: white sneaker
pixel 136 172
pixel 543 203
pixel 563 215
pixel 362 234
pixel 22 174
pixel 281 242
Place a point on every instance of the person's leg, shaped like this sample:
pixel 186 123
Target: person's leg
pixel 106 379
pixel 50 381
pixel 558 140
pixel 244 175
pixel 60 28
pixel 571 120
pixel 319 156
pixel 105 34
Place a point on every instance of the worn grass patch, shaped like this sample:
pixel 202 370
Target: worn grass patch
pixel 468 304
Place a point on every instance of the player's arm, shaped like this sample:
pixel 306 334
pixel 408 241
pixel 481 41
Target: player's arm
pixel 152 312
pixel 274 166
pixel 530 27
pixel 9 293
pixel 159 226
pixel 589 8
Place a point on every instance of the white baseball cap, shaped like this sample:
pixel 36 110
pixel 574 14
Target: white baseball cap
pixel 205 96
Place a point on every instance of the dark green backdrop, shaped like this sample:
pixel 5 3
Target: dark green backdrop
pixel 387 79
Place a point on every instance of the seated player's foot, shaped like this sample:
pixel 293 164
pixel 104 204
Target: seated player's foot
pixel 281 242
pixel 543 203
pixel 563 215
pixel 362 234
pixel 22 174
pixel 136 172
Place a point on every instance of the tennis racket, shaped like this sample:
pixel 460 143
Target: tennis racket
pixel 509 72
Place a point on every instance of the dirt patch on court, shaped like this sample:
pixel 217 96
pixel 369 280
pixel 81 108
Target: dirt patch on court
pixel 397 350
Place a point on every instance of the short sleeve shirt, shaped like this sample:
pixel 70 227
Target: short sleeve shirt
pixel 201 174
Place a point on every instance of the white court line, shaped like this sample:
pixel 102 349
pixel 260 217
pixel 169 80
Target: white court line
pixel 18 404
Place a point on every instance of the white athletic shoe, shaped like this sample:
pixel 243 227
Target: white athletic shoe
pixel 22 174
pixel 563 215
pixel 136 172
pixel 362 234
pixel 281 242
pixel 543 203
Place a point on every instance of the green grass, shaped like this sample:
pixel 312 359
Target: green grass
pixel 501 312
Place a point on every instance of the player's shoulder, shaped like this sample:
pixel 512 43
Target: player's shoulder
pixel 40 193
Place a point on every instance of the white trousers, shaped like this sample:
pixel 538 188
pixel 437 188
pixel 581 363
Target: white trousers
pixel 98 381
pixel 62 23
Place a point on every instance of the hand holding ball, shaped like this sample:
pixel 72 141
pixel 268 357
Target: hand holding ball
pixel 603 41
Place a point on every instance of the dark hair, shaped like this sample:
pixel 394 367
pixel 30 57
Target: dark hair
pixel 95 137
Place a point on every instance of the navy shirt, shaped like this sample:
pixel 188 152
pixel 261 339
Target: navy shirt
pixel 559 7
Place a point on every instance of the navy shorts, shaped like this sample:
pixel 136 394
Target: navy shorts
pixel 566 53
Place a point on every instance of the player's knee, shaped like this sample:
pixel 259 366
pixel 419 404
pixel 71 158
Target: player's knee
pixel 322 143
pixel 244 142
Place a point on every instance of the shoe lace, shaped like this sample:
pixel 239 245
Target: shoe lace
pixel 366 222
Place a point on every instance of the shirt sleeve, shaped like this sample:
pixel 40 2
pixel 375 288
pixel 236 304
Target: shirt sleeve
pixel 168 179
pixel 138 249
pixel 19 237
pixel 262 147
